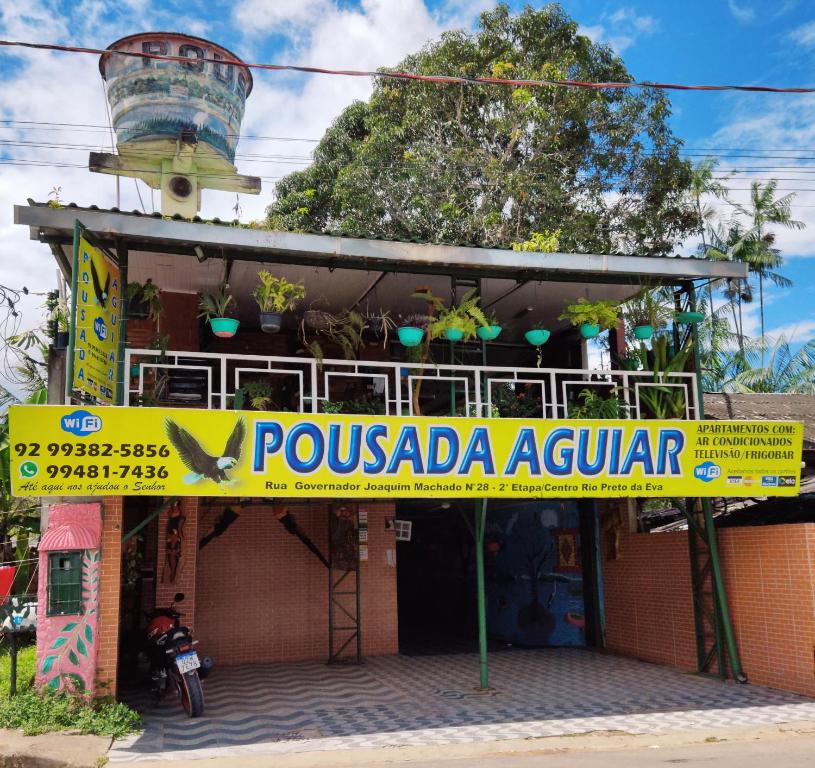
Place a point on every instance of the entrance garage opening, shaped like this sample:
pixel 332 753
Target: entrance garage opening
pixel 541 569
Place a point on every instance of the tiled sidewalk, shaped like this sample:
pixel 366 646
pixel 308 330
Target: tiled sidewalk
pixel 399 700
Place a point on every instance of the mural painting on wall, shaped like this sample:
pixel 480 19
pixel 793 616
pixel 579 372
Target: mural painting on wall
pixel 69 660
pixel 534 576
pixel 173 540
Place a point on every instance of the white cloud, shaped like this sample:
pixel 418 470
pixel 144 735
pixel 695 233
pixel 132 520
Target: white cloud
pixel 804 35
pixel 743 13
pixel 759 124
pixel 799 332
pixel 621 29
pixel 66 89
pixel 257 17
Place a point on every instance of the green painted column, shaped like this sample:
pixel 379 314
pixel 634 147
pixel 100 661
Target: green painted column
pixel 710 527
pixel 480 527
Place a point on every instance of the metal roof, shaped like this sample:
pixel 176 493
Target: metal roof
pixel 55 225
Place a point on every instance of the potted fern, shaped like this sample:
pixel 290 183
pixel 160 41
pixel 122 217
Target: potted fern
pixel 459 322
pixel 491 330
pixel 592 316
pixel 144 300
pixel 215 307
pixel 275 295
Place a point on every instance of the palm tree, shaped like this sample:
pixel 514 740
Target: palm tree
pixel 721 351
pixel 724 241
pixel 703 184
pixel 785 371
pixel 756 246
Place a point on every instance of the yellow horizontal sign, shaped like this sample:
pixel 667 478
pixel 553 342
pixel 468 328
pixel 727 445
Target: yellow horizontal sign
pixel 64 451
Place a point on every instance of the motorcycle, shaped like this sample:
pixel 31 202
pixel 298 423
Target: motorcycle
pixel 174 663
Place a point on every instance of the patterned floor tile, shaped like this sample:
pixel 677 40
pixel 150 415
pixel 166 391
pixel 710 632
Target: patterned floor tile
pixel 399 700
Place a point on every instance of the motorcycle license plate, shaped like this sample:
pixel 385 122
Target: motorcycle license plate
pixel 187 662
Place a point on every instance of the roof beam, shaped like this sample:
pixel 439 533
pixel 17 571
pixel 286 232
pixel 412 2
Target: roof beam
pixel 148 233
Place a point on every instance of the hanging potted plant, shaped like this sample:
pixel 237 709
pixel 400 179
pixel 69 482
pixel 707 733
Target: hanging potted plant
pixel 143 300
pixel 377 326
pixel 458 322
pixel 60 319
pixel 491 330
pixel 591 317
pixel 647 312
pixel 537 336
pixel 411 330
pixel 275 295
pixel 690 318
pixel 215 307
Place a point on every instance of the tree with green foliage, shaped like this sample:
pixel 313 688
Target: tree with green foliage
pixel 494 164
pixel 18 516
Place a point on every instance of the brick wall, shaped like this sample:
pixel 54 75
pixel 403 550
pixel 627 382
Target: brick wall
pixel 184 580
pixel 109 595
pixel 770 578
pixel 769 574
pixel 262 596
pixel 649 609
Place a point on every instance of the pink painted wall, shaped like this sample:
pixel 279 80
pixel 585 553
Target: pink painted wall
pixel 67 645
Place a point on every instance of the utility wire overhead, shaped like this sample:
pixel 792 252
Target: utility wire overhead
pixel 396 75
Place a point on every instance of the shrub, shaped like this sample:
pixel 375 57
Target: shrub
pixel 36 712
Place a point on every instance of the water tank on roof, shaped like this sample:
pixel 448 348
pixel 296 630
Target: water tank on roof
pixel 177 122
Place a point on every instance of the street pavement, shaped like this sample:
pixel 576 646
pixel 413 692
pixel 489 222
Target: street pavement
pixel 792 753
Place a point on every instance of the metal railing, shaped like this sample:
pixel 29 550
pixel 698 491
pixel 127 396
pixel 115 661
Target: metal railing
pixel 302 384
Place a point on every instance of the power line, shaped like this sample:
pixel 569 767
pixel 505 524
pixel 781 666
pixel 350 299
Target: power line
pixel 397 75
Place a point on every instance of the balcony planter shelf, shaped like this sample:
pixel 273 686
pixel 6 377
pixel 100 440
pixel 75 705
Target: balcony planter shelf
pixel 488 332
pixel 589 330
pixel 643 332
pixel 537 337
pixel 224 327
pixel 409 336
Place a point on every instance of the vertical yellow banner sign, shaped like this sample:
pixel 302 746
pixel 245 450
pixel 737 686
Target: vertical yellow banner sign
pixel 97 302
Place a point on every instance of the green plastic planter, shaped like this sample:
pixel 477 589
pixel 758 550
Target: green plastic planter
pixel 453 334
pixel 224 327
pixel 690 318
pixel 589 330
pixel 410 336
pixel 134 369
pixel 488 332
pixel 643 332
pixel 537 337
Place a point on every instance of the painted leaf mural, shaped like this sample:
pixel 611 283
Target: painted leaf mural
pixel 70 660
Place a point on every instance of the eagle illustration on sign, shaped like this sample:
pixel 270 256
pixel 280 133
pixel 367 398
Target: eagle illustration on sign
pixel 101 294
pixel 201 464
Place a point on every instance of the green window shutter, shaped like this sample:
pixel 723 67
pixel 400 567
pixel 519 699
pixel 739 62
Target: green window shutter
pixel 64 583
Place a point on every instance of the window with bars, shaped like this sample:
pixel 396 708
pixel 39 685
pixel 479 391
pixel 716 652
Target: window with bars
pixel 64 583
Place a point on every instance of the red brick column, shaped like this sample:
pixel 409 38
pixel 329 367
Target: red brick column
pixel 185 576
pixel 109 595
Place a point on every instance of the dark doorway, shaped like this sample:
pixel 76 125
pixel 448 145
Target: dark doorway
pixel 436 578
pixel 541 575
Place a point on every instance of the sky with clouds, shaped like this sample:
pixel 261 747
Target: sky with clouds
pixel 696 41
